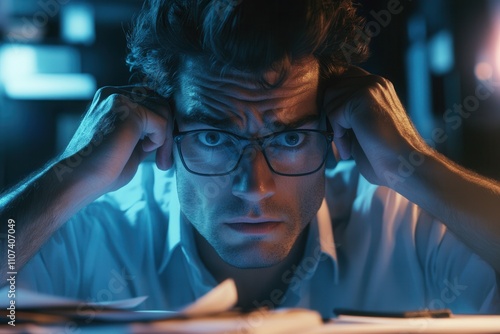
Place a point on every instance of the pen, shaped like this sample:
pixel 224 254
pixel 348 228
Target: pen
pixel 441 313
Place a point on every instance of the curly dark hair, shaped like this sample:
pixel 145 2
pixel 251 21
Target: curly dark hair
pixel 250 35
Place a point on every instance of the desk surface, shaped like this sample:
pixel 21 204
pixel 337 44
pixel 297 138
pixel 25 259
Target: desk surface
pixel 302 321
pixel 212 314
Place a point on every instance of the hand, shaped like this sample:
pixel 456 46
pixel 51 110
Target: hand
pixel 370 124
pixel 121 127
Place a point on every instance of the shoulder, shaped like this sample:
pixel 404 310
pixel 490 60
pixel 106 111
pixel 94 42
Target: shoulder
pixel 351 197
pixel 127 226
pixel 142 207
pixel 149 189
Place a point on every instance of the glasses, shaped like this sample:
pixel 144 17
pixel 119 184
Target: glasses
pixel 210 152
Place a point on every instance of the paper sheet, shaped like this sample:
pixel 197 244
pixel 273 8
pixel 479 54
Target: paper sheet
pixel 222 298
pixel 30 299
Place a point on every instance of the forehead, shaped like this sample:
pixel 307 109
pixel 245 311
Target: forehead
pixel 206 94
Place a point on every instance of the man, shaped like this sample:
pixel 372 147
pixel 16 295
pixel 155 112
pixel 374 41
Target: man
pixel 252 93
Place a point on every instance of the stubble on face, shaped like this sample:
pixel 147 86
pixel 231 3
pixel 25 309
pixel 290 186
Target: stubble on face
pixel 207 215
pixel 207 202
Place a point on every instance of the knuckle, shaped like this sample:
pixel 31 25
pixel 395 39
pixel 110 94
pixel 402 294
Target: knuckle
pixel 103 92
pixel 107 91
pixel 377 81
pixel 376 84
pixel 117 100
pixel 114 97
pixel 139 92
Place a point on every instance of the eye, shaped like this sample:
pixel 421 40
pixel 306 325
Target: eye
pixel 211 138
pixel 290 139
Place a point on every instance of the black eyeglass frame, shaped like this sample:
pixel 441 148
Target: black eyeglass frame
pixel 178 135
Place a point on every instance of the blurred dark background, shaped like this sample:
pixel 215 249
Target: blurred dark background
pixel 443 57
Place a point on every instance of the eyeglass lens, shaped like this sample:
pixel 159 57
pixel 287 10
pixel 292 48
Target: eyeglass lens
pixel 210 152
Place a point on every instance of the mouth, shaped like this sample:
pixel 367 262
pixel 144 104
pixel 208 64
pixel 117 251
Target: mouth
pixel 253 225
pixel 254 228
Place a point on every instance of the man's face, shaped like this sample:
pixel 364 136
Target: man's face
pixel 252 216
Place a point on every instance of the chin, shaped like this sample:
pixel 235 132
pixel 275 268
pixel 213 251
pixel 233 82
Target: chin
pixel 252 259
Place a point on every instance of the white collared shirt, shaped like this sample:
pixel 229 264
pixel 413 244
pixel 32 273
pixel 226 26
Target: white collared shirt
pixel 369 248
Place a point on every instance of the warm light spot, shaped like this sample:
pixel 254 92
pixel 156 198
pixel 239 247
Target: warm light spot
pixel 483 71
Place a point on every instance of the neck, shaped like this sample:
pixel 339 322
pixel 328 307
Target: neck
pixel 257 287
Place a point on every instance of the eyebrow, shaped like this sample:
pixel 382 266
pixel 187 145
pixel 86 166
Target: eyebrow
pixel 198 115
pixel 306 119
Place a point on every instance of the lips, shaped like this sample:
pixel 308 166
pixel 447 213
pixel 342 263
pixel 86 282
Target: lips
pixel 248 225
pixel 252 220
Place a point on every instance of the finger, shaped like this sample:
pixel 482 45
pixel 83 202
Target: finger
pixel 148 145
pixel 130 168
pixel 137 93
pixel 153 131
pixel 106 91
pixel 164 152
pixel 343 144
pixel 341 133
pixel 335 152
pixel 157 133
pixel 160 105
pixel 342 88
pixel 138 155
pixel 332 157
pixel 363 163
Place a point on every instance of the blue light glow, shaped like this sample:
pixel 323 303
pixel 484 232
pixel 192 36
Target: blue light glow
pixel 43 73
pixel 77 23
pixel 77 86
pixel 441 58
pixel 417 69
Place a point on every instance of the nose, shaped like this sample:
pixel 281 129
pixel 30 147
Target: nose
pixel 254 179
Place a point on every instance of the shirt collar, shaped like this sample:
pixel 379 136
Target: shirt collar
pixel 180 240
pixel 325 237
pixel 320 248
pixel 173 212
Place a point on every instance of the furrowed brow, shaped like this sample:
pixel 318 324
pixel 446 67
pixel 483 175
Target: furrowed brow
pixel 204 117
pixel 283 126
